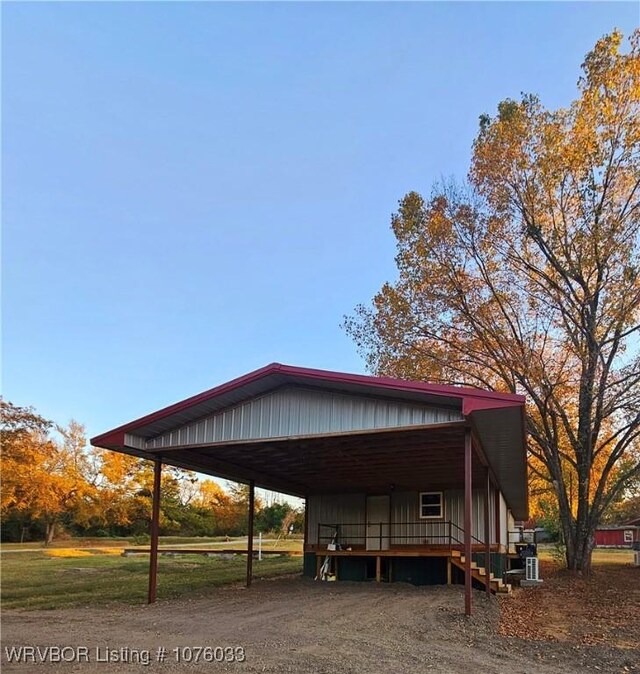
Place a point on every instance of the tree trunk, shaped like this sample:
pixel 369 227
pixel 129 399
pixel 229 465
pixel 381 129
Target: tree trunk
pixel 50 532
pixel 579 542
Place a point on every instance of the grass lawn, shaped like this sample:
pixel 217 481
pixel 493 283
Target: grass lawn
pixel 91 571
pixel 108 542
pixel 38 580
pixel 290 543
pixel 600 555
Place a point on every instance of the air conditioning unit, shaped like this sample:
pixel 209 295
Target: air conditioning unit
pixel 532 573
pixel 532 569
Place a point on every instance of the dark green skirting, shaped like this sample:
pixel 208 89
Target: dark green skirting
pixel 309 565
pixel 414 570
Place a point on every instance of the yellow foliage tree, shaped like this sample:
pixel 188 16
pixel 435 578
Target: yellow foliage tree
pixel 41 477
pixel 528 279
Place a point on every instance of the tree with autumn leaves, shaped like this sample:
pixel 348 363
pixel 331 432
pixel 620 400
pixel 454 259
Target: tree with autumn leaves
pixel 51 481
pixel 40 478
pixel 527 279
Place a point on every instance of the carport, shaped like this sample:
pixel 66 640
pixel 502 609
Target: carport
pixel 340 441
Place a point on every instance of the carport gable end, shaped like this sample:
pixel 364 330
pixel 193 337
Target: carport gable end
pixel 281 404
pixel 429 453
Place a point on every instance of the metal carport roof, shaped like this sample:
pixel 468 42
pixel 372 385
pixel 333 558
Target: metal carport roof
pixel 278 462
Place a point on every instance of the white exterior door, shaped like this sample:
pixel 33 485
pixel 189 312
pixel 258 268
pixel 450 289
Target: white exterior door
pixel 378 522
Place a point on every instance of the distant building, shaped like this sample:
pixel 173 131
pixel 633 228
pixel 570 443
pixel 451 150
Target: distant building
pixel 622 536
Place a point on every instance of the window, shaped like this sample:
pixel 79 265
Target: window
pixel 431 505
pixel 628 536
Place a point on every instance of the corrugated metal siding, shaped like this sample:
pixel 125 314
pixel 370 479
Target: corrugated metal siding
pixel 336 509
pixel 455 512
pixel 405 509
pixel 406 528
pixel 500 432
pixel 297 411
pixel 134 441
pixel 212 405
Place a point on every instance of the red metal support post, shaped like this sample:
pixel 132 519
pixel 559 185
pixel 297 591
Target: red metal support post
pixel 468 482
pixel 306 523
pixel 390 532
pixel 155 526
pixel 252 499
pixel 487 535
pixel 496 495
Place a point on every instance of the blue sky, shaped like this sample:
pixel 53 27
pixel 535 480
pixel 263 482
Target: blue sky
pixel 191 191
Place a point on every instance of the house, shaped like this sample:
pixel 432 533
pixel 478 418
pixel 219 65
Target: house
pixel 402 480
pixel 622 536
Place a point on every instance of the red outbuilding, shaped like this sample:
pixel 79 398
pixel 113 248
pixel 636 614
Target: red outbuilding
pixel 623 536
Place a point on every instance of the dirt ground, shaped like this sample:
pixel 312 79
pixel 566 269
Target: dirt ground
pixel 296 625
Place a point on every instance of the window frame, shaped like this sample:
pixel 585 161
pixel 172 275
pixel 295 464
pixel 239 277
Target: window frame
pixel 627 535
pixel 441 504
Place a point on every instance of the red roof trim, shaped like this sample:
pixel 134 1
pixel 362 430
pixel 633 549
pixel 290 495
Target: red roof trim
pixel 397 384
pixel 187 402
pixel 473 399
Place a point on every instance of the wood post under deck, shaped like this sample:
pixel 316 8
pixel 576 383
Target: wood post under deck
pixel 252 499
pixel 487 535
pixel 155 527
pixel 468 476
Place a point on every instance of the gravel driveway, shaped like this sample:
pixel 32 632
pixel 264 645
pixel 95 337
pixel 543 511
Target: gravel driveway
pixel 296 625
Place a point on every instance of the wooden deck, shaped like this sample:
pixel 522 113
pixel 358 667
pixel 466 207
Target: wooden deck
pixel 453 554
pixel 400 550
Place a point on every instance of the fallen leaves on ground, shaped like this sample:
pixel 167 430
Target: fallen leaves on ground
pixel 601 608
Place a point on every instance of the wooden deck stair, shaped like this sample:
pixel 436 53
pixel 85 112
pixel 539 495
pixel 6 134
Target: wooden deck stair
pixel 480 573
